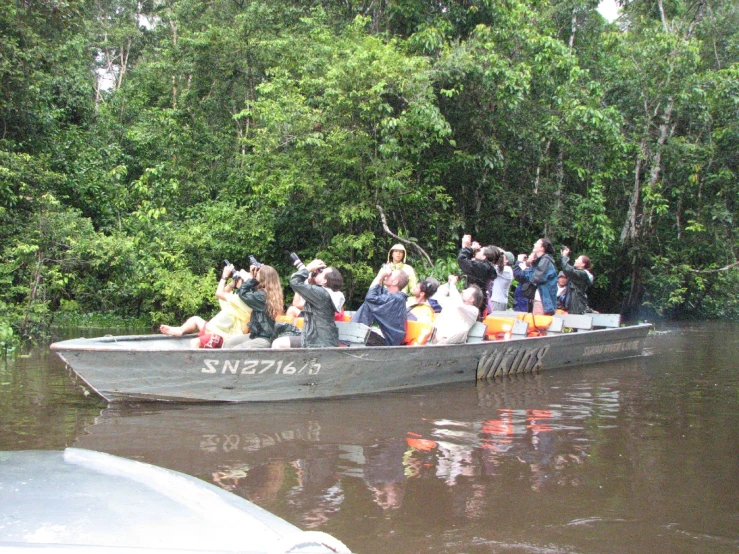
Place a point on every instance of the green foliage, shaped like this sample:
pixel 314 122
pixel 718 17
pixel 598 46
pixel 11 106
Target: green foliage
pixel 238 128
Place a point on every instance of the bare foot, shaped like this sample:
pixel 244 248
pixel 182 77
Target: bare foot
pixel 167 330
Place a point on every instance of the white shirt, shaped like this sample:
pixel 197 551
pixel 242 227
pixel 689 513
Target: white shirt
pixel 501 285
pixel 456 318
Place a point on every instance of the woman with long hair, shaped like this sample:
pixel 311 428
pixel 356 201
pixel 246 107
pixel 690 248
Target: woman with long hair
pixel 541 273
pixel 262 292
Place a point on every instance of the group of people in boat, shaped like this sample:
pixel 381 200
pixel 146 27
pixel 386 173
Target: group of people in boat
pixel 252 311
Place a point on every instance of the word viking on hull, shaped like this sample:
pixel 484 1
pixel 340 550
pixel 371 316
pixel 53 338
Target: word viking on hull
pixel 166 368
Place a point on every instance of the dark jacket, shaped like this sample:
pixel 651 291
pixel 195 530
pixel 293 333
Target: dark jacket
pixel 478 272
pixel 261 324
pixel 319 327
pixel 520 302
pixel 387 309
pixel 543 274
pixel 579 281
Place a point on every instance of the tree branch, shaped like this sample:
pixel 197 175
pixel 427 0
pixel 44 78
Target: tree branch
pixel 409 242
pixel 725 268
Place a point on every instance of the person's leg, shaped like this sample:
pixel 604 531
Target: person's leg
pixel 253 343
pixel 288 341
pixel 281 342
pixel 235 340
pixel 193 324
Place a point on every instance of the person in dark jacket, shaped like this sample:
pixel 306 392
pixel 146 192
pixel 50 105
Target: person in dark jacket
pixel 520 302
pixel 478 264
pixel 262 292
pixel 542 273
pixel 580 278
pixel 384 304
pixel 320 287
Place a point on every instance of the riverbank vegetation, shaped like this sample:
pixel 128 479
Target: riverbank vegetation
pixel 142 142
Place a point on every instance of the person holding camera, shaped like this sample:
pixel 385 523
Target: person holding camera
pixel 262 292
pixel 580 279
pixel 384 304
pixel 320 287
pixel 230 321
pixel 499 289
pixel 539 276
pixel 459 312
pixel 480 264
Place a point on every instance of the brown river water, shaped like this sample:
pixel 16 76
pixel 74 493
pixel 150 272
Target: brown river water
pixel 640 455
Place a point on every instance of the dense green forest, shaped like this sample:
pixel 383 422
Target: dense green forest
pixel 144 141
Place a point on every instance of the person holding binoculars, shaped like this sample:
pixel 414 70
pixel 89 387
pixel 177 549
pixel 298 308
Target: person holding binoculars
pixel 262 292
pixel 229 322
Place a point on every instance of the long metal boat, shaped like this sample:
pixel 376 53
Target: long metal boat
pixel 165 368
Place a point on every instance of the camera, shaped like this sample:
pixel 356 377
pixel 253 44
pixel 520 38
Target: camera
pixel 295 260
pixel 253 261
pixel 234 272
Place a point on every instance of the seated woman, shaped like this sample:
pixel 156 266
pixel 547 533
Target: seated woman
pixel 262 292
pixel 459 313
pixel 231 321
pixel 419 307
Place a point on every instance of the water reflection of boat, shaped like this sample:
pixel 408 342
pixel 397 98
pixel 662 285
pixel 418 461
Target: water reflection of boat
pixel 312 455
pixel 158 367
pixel 78 500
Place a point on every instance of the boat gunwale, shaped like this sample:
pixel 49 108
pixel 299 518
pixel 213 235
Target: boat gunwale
pixel 113 343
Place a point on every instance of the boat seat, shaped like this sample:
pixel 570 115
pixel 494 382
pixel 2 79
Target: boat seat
pixel 606 320
pixel 418 333
pixel 352 334
pixel 505 326
pixel 575 321
pixel 477 332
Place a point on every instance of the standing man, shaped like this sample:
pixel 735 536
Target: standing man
pixel 384 304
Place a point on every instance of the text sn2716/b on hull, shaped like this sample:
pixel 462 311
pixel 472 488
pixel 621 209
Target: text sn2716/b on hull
pixel 164 368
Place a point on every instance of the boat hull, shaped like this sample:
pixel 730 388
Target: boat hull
pixel 162 368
